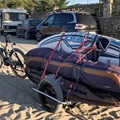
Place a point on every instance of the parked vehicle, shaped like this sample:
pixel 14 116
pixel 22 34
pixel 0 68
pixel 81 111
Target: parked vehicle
pixel 27 29
pixel 10 18
pixel 67 22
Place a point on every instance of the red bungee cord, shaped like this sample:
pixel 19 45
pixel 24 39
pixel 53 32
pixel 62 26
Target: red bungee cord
pixel 47 62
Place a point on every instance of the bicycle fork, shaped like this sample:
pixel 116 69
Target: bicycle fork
pixel 4 57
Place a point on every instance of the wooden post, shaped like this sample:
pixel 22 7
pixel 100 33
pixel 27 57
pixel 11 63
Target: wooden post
pixel 107 8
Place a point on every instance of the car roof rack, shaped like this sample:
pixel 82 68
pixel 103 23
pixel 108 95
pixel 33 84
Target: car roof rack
pixel 60 11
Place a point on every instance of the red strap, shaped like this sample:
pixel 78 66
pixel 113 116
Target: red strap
pixel 79 47
pixel 69 90
pixel 80 58
pixel 82 43
pixel 91 49
pixel 61 65
pixel 43 75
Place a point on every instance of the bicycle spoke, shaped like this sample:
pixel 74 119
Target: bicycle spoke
pixel 18 66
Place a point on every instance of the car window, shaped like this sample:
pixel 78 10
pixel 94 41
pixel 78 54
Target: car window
pixel 11 16
pixel 26 23
pixel 35 22
pixel 104 42
pixel 58 19
pixel 68 18
pixel 50 19
pixel 86 19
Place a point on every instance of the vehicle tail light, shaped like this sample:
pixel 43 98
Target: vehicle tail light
pixel 79 26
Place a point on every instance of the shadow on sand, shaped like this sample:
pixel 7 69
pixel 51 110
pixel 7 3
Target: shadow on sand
pixel 19 40
pixel 19 100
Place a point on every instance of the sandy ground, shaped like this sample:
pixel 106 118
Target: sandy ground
pixel 19 102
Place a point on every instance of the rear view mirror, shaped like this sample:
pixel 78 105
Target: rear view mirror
pixel 45 23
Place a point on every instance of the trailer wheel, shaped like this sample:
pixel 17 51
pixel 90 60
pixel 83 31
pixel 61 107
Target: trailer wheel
pixel 52 88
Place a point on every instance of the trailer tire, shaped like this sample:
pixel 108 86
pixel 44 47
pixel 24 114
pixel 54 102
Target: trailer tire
pixel 51 87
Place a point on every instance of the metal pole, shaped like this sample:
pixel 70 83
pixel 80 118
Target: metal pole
pixel 68 102
pixel 87 2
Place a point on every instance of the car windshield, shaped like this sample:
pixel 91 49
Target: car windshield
pixel 87 19
pixel 14 16
pixel 35 22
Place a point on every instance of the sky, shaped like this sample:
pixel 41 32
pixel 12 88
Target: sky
pixel 72 2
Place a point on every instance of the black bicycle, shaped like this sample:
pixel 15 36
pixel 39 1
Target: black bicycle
pixel 13 58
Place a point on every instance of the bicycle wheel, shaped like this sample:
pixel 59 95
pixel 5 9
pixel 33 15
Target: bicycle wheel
pixel 52 88
pixel 17 59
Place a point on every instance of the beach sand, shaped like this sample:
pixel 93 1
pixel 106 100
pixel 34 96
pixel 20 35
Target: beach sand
pixel 19 102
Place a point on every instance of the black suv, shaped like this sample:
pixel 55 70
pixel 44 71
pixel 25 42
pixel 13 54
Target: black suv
pixel 67 22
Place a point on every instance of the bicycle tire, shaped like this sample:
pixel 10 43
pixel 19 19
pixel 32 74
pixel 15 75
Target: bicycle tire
pixel 51 87
pixel 17 66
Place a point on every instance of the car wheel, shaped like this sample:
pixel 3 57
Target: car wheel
pixel 38 36
pixel 27 35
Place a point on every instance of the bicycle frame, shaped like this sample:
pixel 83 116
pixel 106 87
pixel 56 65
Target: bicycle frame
pixel 12 57
pixel 3 49
pixel 4 52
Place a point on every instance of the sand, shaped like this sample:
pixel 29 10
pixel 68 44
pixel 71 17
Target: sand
pixel 19 102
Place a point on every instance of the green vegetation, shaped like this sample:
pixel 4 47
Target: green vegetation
pixel 116 0
pixel 33 5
